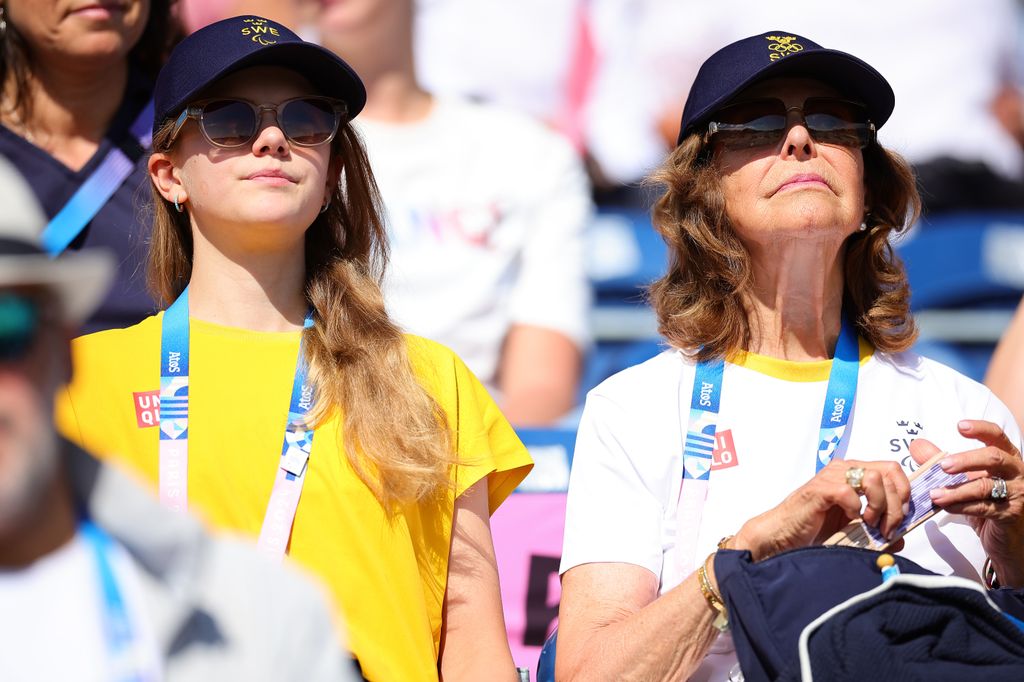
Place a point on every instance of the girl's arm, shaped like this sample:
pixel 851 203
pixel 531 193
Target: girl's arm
pixel 474 644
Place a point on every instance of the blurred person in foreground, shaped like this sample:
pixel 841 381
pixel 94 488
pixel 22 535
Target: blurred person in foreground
pixel 486 211
pixel 97 581
pixel 75 114
pixel 787 399
pixel 269 249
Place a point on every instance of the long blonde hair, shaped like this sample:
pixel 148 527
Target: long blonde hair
pixel 394 432
pixel 700 300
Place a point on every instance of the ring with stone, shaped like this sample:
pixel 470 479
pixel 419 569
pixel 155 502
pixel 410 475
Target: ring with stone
pixel 999 491
pixel 855 478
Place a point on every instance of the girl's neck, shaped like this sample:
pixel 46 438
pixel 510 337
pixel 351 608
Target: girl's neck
pixel 261 291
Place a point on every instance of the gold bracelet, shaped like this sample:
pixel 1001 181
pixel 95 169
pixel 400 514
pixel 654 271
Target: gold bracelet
pixel 714 599
pixel 722 543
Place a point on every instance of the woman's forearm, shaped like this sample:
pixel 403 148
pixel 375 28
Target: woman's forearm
pixel 665 640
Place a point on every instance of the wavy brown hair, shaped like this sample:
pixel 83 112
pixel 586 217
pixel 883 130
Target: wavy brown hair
pixel 395 434
pixel 700 300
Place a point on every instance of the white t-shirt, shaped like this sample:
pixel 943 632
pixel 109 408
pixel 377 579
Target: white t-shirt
pixel 52 615
pixel 627 467
pixel 486 211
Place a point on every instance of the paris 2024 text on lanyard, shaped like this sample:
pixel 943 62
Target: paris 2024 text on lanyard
pixel 703 422
pixel 298 435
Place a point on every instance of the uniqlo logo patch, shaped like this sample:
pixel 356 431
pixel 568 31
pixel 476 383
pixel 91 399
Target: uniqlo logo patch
pixel 724 455
pixel 147 408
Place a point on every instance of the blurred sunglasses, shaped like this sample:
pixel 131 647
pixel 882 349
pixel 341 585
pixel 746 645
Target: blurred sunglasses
pixel 230 123
pixel 764 122
pixel 19 324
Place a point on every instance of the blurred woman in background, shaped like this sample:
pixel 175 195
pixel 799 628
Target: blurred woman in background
pixel 75 120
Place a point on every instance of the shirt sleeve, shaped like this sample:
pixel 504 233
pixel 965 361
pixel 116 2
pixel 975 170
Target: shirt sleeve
pixel 998 413
pixel 552 290
pixel 486 443
pixel 611 515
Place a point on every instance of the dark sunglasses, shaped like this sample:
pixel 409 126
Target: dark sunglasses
pixel 229 123
pixel 19 323
pixel 764 122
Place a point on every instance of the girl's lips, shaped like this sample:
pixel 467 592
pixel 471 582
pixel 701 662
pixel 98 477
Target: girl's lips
pixel 271 177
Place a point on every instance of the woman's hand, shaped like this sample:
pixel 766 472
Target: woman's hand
pixel 826 503
pixel 998 522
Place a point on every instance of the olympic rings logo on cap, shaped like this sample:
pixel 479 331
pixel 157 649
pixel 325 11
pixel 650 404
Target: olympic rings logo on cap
pixel 782 46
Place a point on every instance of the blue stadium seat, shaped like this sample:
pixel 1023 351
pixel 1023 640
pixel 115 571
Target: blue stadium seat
pixel 966 273
pixel 966 259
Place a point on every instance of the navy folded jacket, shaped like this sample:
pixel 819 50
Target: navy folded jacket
pixel 916 626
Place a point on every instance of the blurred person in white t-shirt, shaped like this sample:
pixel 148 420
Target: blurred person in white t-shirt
pixel 486 210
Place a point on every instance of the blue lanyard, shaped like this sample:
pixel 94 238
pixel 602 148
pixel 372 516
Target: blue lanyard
pixel 116 624
pixel 295 451
pixel 707 393
pixel 97 189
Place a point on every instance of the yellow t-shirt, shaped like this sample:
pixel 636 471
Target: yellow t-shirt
pixel 387 578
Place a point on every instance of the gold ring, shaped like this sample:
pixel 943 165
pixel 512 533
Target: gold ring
pixel 855 479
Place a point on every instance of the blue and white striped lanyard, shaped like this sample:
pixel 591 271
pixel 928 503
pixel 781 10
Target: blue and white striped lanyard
pixel 125 662
pixel 295 451
pixel 703 423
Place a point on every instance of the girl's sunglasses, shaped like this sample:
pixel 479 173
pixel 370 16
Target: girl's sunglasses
pixel 764 122
pixel 229 123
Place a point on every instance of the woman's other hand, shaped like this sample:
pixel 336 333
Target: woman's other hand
pixel 999 521
pixel 826 503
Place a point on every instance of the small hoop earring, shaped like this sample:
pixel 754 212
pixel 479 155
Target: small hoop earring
pixel 323 209
pixel 863 225
pixel 178 207
pixel 3 22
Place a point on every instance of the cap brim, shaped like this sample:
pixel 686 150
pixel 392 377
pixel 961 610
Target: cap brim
pixel 843 71
pixel 327 73
pixel 80 279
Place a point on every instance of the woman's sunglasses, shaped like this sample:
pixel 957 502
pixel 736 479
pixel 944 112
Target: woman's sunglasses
pixel 19 324
pixel 764 122
pixel 229 123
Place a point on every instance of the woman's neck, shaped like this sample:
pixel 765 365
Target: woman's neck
pixel 258 290
pixel 72 107
pixel 795 305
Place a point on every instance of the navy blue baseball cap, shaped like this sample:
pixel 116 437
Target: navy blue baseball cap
pixel 231 44
pixel 782 53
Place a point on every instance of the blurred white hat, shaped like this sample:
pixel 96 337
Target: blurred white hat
pixel 80 279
